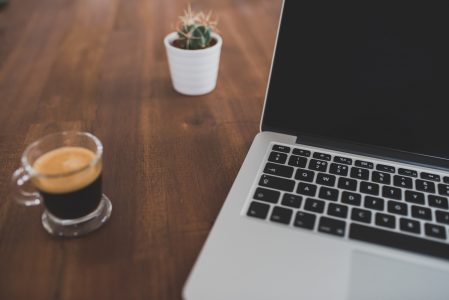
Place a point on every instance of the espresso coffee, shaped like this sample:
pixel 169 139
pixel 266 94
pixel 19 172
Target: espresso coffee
pixel 70 181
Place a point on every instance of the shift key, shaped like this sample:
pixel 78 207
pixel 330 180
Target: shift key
pixel 277 183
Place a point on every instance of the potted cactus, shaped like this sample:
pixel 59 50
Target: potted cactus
pixel 193 53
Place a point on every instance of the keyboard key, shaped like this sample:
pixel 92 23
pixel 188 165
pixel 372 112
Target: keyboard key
pixel 374 203
pixel 277 157
pixel 325 179
pixel 314 205
pixel 410 225
pixel 332 226
pixel 267 195
pixel 306 189
pixel 361 215
pixel 397 240
pixel 425 186
pixel 258 210
pixel 398 208
pixel 435 231
pixel 407 172
pixel 281 148
pixel 385 168
pixel 278 170
pixel 301 152
pixel 420 212
pixel 281 215
pixel 347 184
pixel 402 181
pixel 385 220
pixel 442 217
pixel 391 192
pixel 337 169
pixel 351 198
pixel 364 164
pixel 328 194
pixel 297 161
pixel 343 160
pixel 369 188
pixel 359 173
pixel 430 176
pixel 291 200
pixel 414 197
pixel 380 177
pixel 277 183
pixel 437 201
pixel 337 210
pixel 443 189
pixel 305 175
pixel 318 165
pixel 446 179
pixel 304 220
pixel 322 156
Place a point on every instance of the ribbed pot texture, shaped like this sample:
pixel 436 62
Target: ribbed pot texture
pixel 193 72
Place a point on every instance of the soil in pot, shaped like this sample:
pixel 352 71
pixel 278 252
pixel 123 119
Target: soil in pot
pixel 180 44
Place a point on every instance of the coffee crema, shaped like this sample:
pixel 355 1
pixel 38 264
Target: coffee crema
pixel 69 181
pixel 64 170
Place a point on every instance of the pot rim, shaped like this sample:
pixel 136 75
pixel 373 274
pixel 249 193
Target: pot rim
pixel 173 35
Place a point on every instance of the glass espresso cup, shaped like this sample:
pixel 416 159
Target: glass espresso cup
pixel 64 172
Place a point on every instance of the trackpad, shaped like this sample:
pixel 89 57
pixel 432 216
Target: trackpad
pixel 375 277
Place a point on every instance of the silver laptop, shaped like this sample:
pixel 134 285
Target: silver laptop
pixel 344 192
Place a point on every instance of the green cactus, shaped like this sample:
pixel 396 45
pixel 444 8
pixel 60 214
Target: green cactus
pixel 194 36
pixel 195 30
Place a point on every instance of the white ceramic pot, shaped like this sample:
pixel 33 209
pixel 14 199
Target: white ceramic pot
pixel 193 72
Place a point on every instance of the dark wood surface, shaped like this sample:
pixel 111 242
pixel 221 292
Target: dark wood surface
pixel 170 160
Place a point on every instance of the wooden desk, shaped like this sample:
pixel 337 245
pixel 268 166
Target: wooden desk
pixel 170 160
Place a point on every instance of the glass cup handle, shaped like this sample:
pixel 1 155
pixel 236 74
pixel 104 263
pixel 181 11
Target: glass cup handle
pixel 23 191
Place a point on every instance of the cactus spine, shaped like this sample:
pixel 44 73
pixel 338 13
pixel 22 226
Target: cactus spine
pixel 195 30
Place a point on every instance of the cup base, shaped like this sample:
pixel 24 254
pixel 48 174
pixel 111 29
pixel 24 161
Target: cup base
pixel 80 226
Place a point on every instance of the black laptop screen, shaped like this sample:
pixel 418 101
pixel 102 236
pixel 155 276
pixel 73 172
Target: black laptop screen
pixel 375 74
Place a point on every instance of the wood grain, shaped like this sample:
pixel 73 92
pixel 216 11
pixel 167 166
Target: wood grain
pixel 100 66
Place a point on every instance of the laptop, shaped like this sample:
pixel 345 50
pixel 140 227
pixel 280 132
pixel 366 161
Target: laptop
pixel 344 191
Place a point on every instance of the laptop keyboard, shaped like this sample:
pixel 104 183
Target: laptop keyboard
pixel 362 200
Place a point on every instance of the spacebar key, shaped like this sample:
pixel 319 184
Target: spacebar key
pixel 399 241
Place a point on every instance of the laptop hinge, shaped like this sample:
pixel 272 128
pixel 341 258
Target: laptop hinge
pixel 376 152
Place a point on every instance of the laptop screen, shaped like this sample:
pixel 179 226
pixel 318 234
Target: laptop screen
pixel 375 74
